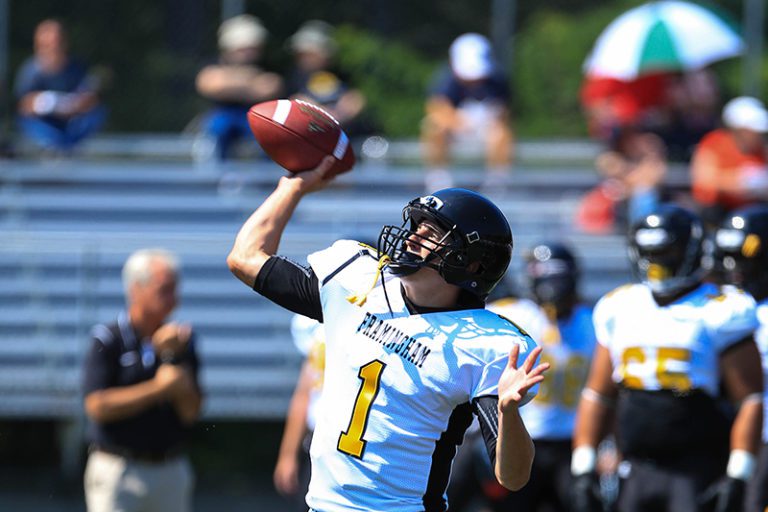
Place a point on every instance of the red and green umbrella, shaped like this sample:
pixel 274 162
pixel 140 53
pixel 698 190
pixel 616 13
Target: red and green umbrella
pixel 667 35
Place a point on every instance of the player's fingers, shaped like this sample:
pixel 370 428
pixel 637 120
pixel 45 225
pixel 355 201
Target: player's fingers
pixel 513 354
pixel 531 359
pixel 540 369
pixel 325 165
pixel 184 332
pixel 533 381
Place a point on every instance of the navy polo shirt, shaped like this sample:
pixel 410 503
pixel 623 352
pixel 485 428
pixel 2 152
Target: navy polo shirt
pixel 116 358
pixel 494 88
pixel 71 78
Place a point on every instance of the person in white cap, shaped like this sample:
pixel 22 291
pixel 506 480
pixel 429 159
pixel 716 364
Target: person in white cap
pixel 469 99
pixel 728 168
pixel 316 79
pixel 236 81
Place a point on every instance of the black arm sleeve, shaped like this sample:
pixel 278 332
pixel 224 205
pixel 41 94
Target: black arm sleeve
pixel 487 411
pixel 290 285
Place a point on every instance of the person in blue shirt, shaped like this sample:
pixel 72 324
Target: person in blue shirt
pixel 235 82
pixel 58 103
pixel 468 101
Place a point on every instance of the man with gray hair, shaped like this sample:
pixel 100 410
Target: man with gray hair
pixel 140 384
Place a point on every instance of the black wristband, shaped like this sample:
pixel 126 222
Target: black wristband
pixel 170 357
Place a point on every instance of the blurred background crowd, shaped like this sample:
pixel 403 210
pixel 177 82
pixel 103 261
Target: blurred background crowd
pixel 123 125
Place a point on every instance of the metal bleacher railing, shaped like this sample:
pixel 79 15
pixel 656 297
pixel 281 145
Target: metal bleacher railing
pixel 67 226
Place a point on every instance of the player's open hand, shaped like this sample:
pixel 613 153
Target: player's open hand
pixel 516 381
pixel 310 181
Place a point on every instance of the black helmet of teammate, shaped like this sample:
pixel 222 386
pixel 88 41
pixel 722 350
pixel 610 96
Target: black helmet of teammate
pixel 741 249
pixel 665 248
pixel 473 254
pixel 552 274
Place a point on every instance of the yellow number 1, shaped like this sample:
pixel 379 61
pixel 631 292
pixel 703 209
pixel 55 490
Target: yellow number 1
pixel 351 442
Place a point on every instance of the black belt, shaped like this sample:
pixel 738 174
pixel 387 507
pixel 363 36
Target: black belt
pixel 150 456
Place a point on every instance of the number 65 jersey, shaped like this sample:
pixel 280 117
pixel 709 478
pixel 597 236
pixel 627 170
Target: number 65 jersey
pixel 392 382
pixel 674 347
pixel 666 361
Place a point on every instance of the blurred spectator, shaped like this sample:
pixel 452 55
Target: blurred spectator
pixel 315 79
pixel 141 396
pixel 291 474
pixel 469 100
pixel 610 104
pixel 632 170
pixel 728 168
pixel 236 82
pixel 693 106
pixel 58 102
pixel 678 107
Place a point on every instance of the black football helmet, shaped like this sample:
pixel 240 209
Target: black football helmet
pixel 665 248
pixel 474 252
pixel 741 250
pixel 552 274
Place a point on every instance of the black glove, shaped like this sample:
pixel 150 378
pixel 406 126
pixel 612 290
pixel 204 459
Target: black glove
pixel 585 493
pixel 725 495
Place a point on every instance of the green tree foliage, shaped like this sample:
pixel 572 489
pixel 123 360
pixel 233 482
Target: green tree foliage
pixel 389 48
pixel 549 54
pixel 392 76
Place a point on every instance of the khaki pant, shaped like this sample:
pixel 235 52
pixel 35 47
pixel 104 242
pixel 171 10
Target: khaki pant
pixel 116 484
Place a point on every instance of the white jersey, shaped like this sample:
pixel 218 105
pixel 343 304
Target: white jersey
pixel 523 312
pixel 309 337
pixel 568 346
pixel 392 381
pixel 672 347
pixel 761 337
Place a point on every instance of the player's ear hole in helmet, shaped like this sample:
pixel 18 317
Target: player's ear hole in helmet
pixel 665 249
pixel 741 250
pixel 471 250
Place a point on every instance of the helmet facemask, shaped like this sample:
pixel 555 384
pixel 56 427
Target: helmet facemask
pixel 395 242
pixel 741 260
pixel 559 291
pixel 664 263
pixel 469 246
pixel 552 276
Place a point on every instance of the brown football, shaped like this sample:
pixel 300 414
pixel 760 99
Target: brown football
pixel 297 135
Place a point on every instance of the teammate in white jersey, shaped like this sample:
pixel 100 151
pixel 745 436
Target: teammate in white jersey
pixel 410 351
pixel 292 470
pixel 568 340
pixel 666 347
pixel 741 255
